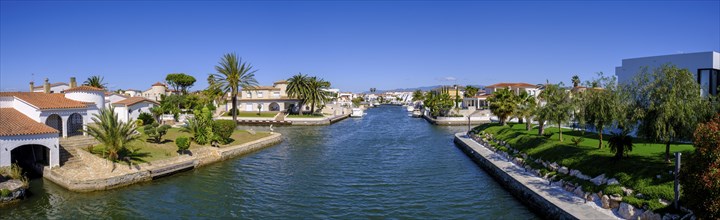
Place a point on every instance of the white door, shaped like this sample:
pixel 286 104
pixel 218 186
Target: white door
pixel 248 107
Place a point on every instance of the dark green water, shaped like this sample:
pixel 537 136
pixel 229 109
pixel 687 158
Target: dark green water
pixel 386 165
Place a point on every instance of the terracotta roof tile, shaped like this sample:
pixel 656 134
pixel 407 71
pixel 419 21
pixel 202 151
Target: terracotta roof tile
pixel 281 82
pixel 515 85
pixel 16 123
pixel 133 100
pixel 158 84
pixel 84 88
pixel 46 101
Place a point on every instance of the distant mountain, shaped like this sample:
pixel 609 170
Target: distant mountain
pixel 423 88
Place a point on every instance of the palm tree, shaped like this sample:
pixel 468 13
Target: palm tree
pixel 316 93
pixel 575 80
pixel 526 108
pixel 470 91
pixel 503 103
pixel 157 111
pixel 111 132
pixel 620 143
pixel 232 75
pixel 95 81
pixel 298 88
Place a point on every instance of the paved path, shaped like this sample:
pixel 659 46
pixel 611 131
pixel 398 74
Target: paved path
pixel 564 200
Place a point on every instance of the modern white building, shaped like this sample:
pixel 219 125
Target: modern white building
pixel 265 99
pixel 129 109
pixel 705 66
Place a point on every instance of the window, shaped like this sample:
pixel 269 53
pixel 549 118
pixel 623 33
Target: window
pixel 249 94
pixel 260 94
pixel 276 94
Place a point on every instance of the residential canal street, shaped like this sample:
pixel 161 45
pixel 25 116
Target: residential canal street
pixel 385 165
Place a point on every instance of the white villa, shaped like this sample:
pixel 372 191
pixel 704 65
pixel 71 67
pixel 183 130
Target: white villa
pixel 270 99
pixel 705 66
pixel 479 101
pixel 155 92
pixel 33 122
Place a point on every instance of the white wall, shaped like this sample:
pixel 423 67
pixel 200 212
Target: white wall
pixel 136 109
pixel 8 143
pixel 122 112
pixel 28 110
pixel 53 89
pixel 97 97
pixel 692 61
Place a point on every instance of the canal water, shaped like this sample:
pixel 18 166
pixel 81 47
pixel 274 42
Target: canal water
pixel 385 165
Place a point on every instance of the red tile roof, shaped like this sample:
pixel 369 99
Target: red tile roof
pixel 16 123
pixel 514 85
pixel 84 88
pixel 158 84
pixel 281 82
pixel 45 100
pixel 134 100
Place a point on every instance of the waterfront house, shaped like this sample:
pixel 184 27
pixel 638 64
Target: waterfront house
pixel 705 66
pixel 270 99
pixel 129 109
pixel 517 88
pixel 157 91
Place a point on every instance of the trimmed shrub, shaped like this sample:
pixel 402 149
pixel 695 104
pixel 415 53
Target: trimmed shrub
pixel 183 144
pixel 146 118
pixel 701 173
pixel 224 129
pixel 155 131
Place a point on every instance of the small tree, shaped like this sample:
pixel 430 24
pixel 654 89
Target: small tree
pixel 259 108
pixel 223 129
pixel 180 81
pixel 200 126
pixel 621 143
pixel 112 133
pixel 183 144
pixel 156 131
pixel 503 103
pixel 601 104
pixel 146 118
pixel 700 176
pixel 558 105
pixel 526 105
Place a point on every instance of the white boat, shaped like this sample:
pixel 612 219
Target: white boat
pixel 410 108
pixel 416 113
pixel 357 113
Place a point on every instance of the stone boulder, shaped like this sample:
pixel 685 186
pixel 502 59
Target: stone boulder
pixel 605 201
pixel 582 176
pixel 554 166
pixel 649 215
pixel 615 201
pixel 628 192
pixel 599 180
pixel 574 172
pixel 579 192
pixel 612 181
pixel 626 211
pixel 563 170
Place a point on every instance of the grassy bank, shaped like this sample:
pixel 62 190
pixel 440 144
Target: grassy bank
pixel 639 171
pixel 148 151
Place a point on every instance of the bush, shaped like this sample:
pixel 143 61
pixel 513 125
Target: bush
pixel 201 127
pixel 15 172
pixel 155 131
pixel 223 129
pixel 5 193
pixel 701 173
pixel 183 144
pixel 146 118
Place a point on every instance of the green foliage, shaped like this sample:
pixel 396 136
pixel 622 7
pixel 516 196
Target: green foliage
pixel 602 105
pixel 180 81
pixel 558 105
pixel 5 192
pixel 470 91
pixel 201 127
pixel 111 132
pixel 621 143
pixel 503 103
pixel 356 101
pixel 575 80
pixel 309 90
pixel 668 104
pixel 223 129
pixel 439 103
pixel 146 118
pixel 156 131
pixel 95 81
pixel 700 176
pixel 526 105
pixel 232 74
pixel 418 95
pixel 182 143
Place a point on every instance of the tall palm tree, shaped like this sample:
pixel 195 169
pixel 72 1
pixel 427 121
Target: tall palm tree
pixel 111 132
pixel 95 81
pixel 232 75
pixel 298 87
pixel 316 95
pixel 525 108
pixel 575 80
pixel 503 103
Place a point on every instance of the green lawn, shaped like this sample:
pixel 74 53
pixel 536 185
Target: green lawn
pixel 306 116
pixel 150 151
pixel 254 114
pixel 639 171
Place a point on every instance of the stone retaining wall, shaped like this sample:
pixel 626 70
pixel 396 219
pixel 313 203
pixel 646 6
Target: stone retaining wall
pixel 453 120
pixel 540 204
pixel 145 172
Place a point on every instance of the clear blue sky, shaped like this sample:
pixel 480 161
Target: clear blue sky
pixel 355 45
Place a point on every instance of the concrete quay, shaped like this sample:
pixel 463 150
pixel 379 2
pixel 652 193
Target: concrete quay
pixel 551 202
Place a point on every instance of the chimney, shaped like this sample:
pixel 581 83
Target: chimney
pixel 32 86
pixel 46 86
pixel 73 83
